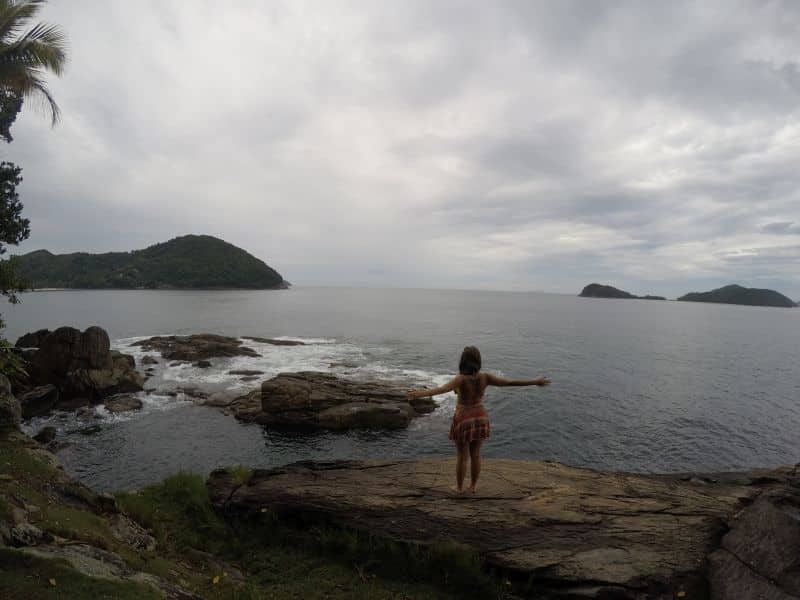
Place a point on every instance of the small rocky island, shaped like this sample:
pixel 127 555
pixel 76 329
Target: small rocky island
pixel 187 262
pixel 597 290
pixel 736 294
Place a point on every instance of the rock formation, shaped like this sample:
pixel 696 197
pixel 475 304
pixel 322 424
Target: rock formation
pixel 560 532
pixel 71 368
pixel 197 347
pixel 315 400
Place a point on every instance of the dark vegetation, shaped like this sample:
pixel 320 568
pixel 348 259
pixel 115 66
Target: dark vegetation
pixel 191 261
pixel 736 294
pixel 596 290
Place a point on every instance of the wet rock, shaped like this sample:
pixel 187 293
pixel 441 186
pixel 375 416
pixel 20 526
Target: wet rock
pixel 87 412
pixel 10 410
pixel 324 401
pixel 220 399
pixel 46 435
pixel 250 378
pixel 273 342
pixel 149 360
pixel 247 372
pixel 38 401
pixel 32 340
pixel 122 403
pixel 193 348
pixel 202 364
pixel 75 403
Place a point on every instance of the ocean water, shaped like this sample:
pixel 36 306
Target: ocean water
pixel 637 385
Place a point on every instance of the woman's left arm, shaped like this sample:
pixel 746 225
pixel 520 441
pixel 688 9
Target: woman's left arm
pixel 442 389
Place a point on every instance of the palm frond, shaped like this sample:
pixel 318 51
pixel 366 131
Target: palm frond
pixel 14 14
pixel 43 46
pixel 30 84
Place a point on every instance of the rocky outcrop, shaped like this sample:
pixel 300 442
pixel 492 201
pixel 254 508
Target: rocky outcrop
pixel 315 400
pixel 38 401
pixel 73 368
pixel 122 403
pixel 10 411
pixel 32 340
pixel 273 342
pixel 560 531
pixel 197 347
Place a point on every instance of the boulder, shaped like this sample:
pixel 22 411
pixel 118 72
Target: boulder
pixel 32 340
pixel 324 401
pixel 246 372
pixel 122 403
pixel 10 411
pixel 46 435
pixel 81 364
pixel 38 401
pixel 193 348
pixel 149 360
pixel 203 364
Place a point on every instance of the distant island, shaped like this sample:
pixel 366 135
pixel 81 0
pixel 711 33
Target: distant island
pixel 187 262
pixel 596 290
pixel 736 294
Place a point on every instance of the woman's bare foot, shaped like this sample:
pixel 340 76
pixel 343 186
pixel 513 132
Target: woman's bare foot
pixel 456 490
pixel 472 489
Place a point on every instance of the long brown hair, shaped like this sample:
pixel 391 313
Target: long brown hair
pixel 470 362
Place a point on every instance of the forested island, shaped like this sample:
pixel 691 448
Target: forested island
pixel 187 262
pixel 736 294
pixel 597 290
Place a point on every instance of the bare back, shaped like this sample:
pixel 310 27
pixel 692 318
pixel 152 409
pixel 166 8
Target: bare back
pixel 470 389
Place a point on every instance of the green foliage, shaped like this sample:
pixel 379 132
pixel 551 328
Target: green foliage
pixel 191 261
pixel 10 105
pixel 179 512
pixel 11 364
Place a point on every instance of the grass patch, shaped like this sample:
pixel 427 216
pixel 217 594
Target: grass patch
pixel 75 524
pixel 25 577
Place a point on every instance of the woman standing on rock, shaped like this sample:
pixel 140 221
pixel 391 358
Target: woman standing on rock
pixel 470 421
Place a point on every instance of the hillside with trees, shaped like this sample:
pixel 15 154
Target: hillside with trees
pixel 191 261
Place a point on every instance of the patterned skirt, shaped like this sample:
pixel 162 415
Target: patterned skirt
pixel 470 423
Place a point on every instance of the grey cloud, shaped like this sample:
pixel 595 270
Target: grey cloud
pixel 368 143
pixel 782 228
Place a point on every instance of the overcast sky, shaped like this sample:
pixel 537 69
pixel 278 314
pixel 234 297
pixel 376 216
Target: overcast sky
pixel 502 145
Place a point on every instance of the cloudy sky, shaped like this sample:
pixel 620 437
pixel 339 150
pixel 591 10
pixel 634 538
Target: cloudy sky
pixel 502 145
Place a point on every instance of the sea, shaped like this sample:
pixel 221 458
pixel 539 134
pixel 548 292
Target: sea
pixel 639 386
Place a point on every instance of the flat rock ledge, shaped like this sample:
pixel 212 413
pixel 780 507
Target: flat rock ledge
pixel 559 531
pixel 315 400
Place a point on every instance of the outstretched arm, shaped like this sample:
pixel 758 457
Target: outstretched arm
pixel 501 382
pixel 442 389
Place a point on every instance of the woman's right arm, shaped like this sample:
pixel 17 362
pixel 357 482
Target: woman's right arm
pixel 501 382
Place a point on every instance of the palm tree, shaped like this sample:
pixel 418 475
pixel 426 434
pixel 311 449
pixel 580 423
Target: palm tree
pixel 25 56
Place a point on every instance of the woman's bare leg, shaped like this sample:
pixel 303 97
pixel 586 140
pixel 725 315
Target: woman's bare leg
pixel 474 464
pixel 461 464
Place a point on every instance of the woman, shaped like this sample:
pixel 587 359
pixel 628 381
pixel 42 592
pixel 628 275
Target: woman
pixel 470 421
